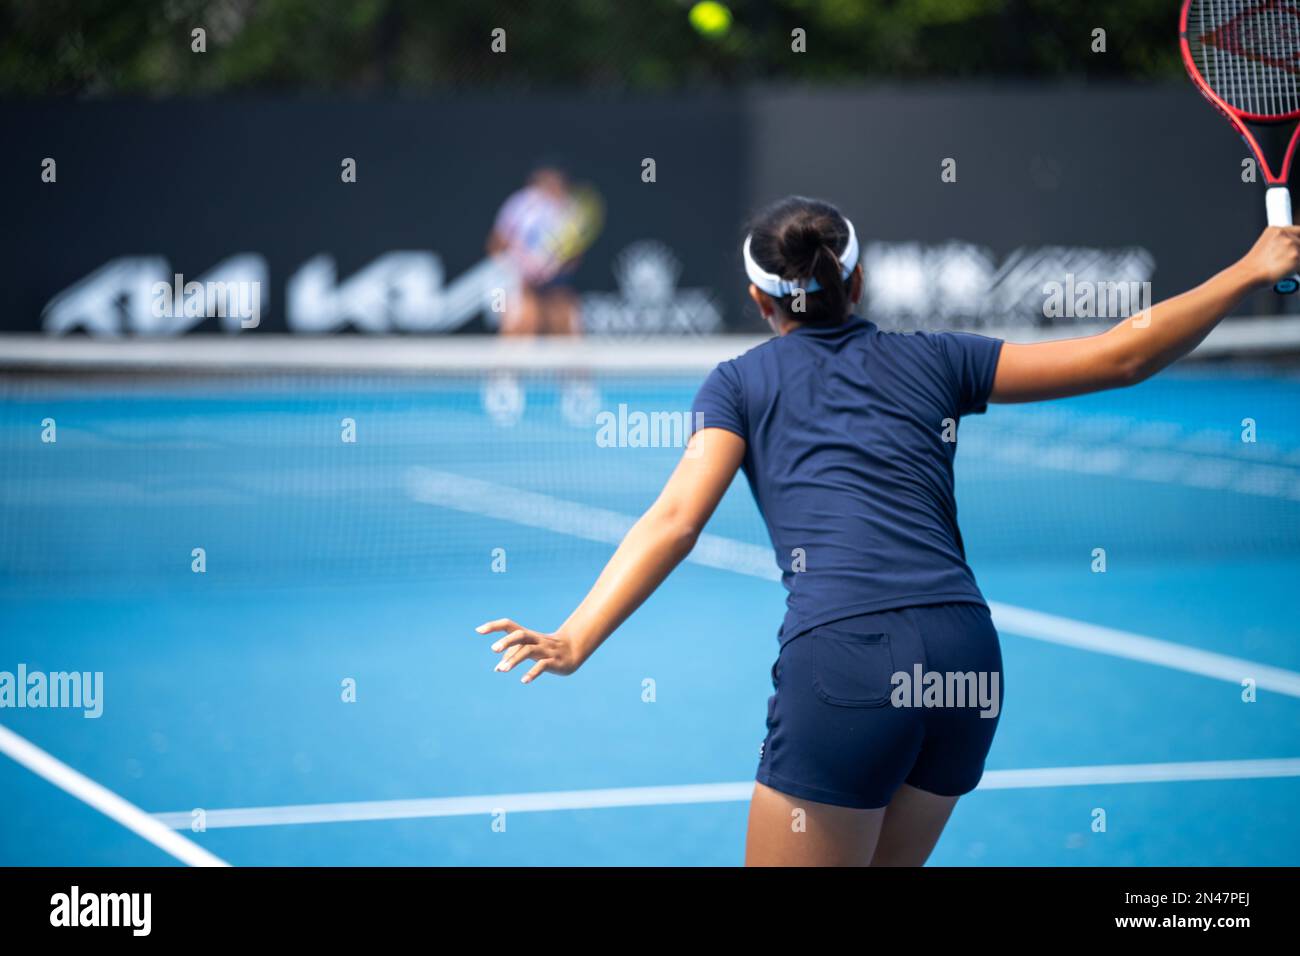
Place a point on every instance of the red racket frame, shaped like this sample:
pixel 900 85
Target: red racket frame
pixel 1239 118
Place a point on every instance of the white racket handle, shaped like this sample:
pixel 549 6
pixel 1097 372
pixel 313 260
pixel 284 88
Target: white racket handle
pixel 1277 200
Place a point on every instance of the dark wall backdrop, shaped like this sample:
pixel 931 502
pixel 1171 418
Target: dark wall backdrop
pixel 1103 166
pixel 197 181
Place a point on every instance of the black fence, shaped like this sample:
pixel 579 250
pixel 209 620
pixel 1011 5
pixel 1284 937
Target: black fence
pixel 974 204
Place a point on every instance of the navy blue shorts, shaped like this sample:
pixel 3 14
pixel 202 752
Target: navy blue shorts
pixel 868 703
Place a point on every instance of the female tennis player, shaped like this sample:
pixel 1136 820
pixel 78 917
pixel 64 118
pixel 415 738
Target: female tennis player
pixel 847 436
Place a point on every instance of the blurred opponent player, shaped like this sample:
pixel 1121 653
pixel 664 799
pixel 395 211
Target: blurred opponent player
pixel 541 233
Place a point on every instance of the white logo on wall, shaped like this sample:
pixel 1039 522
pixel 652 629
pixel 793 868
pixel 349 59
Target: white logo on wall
pixel 120 297
pixel 648 299
pixel 397 292
pixel 961 285
pixel 908 285
pixel 401 291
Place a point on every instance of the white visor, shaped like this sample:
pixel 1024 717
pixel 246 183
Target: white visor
pixel 774 285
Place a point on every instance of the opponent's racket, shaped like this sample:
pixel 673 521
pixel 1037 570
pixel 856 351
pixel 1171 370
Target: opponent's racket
pixel 582 224
pixel 1244 57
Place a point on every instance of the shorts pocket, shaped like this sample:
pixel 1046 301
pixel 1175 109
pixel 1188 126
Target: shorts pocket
pixel 852 669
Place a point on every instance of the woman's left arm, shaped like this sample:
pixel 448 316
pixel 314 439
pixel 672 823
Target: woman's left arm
pixel 657 543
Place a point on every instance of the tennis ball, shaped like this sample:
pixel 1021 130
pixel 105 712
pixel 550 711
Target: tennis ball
pixel 710 18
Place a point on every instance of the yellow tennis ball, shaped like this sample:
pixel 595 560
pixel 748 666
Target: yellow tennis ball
pixel 710 18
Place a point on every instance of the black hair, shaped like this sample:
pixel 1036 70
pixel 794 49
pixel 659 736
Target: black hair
pixel 801 239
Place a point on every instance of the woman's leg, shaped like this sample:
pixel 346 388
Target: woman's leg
pixel 960 639
pixel 523 313
pixel 792 831
pixel 913 822
pixel 559 308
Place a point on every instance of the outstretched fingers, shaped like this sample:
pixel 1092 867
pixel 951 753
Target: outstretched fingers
pixel 520 644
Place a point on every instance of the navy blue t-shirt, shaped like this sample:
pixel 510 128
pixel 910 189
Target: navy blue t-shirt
pixel 846 454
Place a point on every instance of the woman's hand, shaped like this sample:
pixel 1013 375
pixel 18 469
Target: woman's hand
pixel 553 653
pixel 1275 255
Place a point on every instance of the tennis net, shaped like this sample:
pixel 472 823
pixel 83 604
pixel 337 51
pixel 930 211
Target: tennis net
pixel 279 463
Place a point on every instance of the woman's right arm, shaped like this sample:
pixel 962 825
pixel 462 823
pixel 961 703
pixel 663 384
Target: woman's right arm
pixel 656 544
pixel 1142 345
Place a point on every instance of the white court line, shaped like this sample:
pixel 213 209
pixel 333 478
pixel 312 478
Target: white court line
pixel 706 793
pixel 104 800
pixel 1140 773
pixel 598 524
pixel 1136 647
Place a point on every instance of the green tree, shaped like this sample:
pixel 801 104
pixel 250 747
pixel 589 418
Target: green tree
pixel 144 46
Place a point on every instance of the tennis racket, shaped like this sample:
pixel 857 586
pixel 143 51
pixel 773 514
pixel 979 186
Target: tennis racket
pixel 581 227
pixel 1244 57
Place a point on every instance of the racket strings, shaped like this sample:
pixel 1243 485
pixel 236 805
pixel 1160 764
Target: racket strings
pixel 1248 52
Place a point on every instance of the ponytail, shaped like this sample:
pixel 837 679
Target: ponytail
pixel 799 251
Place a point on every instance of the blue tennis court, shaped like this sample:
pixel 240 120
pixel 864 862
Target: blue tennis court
pixel 337 568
